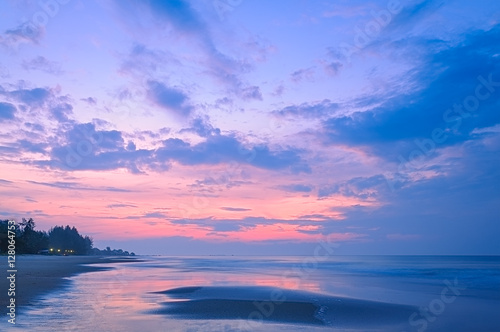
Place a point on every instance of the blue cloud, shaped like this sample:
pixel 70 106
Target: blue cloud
pixel 301 188
pixel 84 147
pixel 450 94
pixel 454 213
pixel 309 110
pixel 250 92
pixel 43 64
pixel 169 98
pixel 32 97
pixel 179 13
pixel 411 13
pixel 120 205
pixel 221 149
pixel 225 225
pixel 234 209
pixel 154 215
pixel 187 21
pixel 76 186
pixel 7 111
pixel 86 133
pixel 26 32
pixel 34 126
pixel 202 127
pixel 223 180
pixel 356 187
pixel 89 100
pixel 61 112
pixel 31 147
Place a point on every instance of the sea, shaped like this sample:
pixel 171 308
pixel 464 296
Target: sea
pixel 271 293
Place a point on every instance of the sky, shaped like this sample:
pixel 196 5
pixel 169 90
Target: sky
pixel 184 127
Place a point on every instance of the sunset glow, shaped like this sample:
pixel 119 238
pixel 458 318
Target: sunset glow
pixel 254 124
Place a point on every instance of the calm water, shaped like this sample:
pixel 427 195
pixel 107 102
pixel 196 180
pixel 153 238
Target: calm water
pixel 126 298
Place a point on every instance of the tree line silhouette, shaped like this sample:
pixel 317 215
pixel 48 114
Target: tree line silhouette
pixel 59 240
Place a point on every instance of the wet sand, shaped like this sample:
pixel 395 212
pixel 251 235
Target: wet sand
pixel 37 274
pixel 257 304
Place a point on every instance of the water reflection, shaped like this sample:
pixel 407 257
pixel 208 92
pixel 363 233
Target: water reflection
pixel 126 297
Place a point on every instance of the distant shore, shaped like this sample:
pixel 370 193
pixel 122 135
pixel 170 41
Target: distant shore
pixel 38 274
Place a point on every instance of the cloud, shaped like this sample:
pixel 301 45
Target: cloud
pixel 145 61
pixel 42 64
pixel 180 14
pixel 223 149
pixel 27 32
pixel 84 147
pixel 303 74
pixel 202 127
pixel 9 150
pixel 315 216
pixel 188 24
pixel 120 205
pixel 332 68
pixel 89 100
pixel 251 223
pixel 223 180
pixel 7 111
pixel 410 14
pixel 302 188
pixel 31 147
pixel 226 227
pixel 102 139
pixel 361 187
pixel 234 209
pixel 77 186
pixel 249 93
pixel 402 20
pixel 309 110
pixel 443 97
pixel 154 215
pixel 34 126
pixel 31 97
pixel 131 146
pixel 5 182
pixel 61 112
pixel 169 98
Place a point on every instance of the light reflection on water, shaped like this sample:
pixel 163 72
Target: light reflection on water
pixel 124 298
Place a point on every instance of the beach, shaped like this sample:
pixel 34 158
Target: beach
pixel 256 293
pixel 39 274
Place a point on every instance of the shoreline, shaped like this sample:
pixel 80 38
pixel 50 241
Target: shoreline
pixel 38 274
